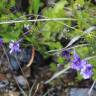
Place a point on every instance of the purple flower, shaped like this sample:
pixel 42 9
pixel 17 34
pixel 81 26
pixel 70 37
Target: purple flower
pixel 76 62
pixel 14 47
pixel 82 66
pixel 86 71
pixel 66 54
pixel 1 41
pixel 76 56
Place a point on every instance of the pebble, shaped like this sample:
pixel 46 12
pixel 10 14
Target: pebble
pixel 81 92
pixel 22 81
pixel 3 85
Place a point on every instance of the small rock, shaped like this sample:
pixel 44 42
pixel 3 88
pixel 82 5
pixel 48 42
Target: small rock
pixel 14 65
pixel 81 92
pixel 3 85
pixel 22 82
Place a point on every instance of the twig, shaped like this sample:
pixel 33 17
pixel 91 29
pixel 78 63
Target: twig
pixel 36 89
pixel 48 18
pixel 37 20
pixel 91 57
pixel 90 29
pixel 66 48
pixel 48 92
pixel 30 91
pixel 32 57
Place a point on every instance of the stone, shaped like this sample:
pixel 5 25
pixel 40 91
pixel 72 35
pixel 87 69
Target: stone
pixel 22 82
pixel 81 92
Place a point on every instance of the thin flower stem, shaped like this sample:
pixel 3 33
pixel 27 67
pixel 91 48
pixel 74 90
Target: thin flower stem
pixel 48 92
pixel 20 40
pixel 91 57
pixel 36 89
pixel 22 71
pixel 31 15
pixel 38 20
pixel 25 34
pixel 30 91
pixel 57 75
pixel 90 29
pixel 67 48
pixel 47 18
pixel 90 90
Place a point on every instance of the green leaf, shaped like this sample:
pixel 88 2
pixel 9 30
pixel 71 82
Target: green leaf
pixel 60 60
pixel 83 51
pixel 57 11
pixel 59 6
pixel 46 35
pixel 79 3
pixel 36 5
pixel 53 67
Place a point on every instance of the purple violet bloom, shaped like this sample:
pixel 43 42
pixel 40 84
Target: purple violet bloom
pixel 82 66
pixel 86 71
pixel 66 54
pixel 77 63
pixel 1 41
pixel 14 47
